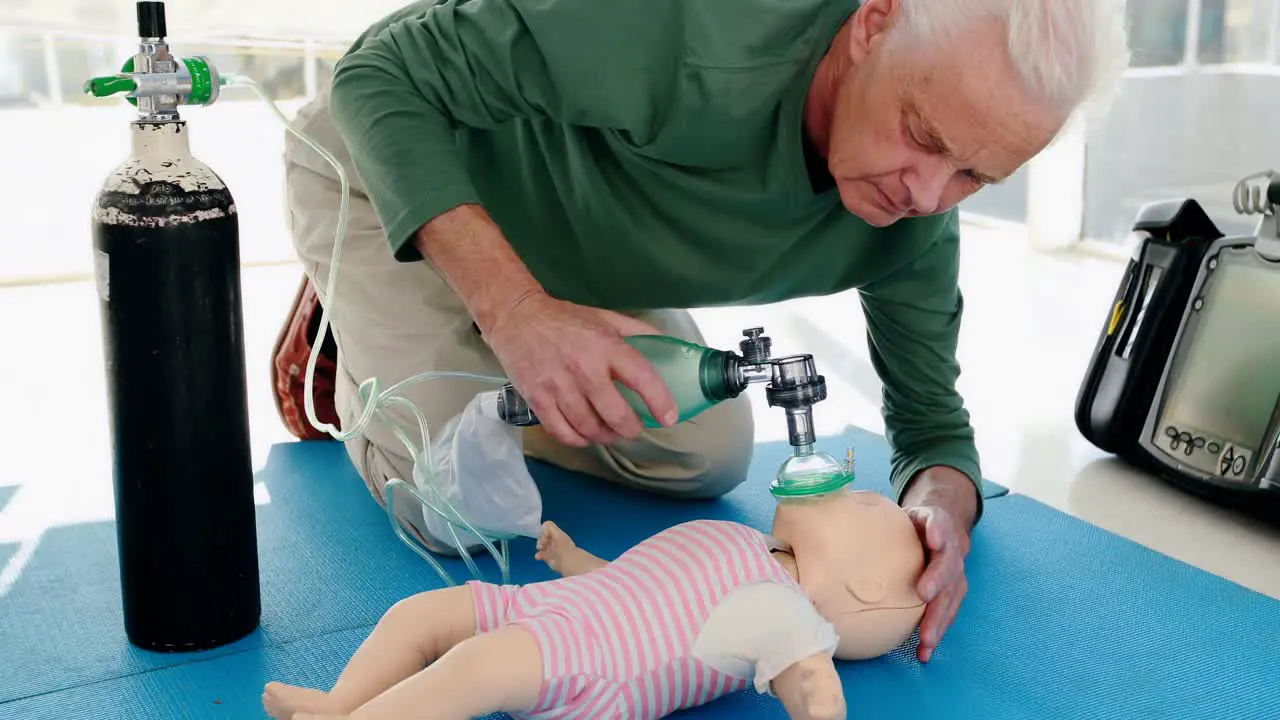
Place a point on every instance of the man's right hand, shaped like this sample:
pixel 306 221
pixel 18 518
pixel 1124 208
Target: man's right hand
pixel 564 359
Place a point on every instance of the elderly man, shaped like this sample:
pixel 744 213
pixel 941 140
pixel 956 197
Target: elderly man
pixel 533 180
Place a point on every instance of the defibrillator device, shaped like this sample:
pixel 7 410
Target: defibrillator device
pixel 1184 381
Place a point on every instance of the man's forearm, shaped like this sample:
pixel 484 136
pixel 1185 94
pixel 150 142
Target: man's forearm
pixel 945 487
pixel 469 250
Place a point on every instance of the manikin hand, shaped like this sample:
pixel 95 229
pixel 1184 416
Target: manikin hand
pixel 811 690
pixel 564 359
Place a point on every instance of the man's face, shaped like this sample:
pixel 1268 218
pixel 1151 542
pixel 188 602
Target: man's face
pixel 917 130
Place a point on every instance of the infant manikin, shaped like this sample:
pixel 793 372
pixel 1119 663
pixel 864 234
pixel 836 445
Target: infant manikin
pixel 698 611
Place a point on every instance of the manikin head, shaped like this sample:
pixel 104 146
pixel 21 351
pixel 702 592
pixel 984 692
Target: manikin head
pixel 859 558
pixel 918 104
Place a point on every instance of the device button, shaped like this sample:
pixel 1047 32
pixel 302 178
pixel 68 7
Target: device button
pixel 1171 431
pixel 1233 462
pixel 1215 448
pixel 1182 442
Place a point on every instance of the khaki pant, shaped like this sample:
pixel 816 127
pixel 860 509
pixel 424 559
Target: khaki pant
pixel 393 320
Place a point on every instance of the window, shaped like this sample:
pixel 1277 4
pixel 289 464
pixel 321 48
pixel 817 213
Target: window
pixel 1225 31
pixel 42 72
pixel 1236 31
pixel 1157 32
pixel 1195 129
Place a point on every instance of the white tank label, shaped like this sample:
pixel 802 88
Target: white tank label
pixel 102 273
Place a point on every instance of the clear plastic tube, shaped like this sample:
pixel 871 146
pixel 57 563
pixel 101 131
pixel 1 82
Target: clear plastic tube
pixel 376 400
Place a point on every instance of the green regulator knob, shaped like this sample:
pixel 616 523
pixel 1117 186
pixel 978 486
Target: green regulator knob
pixel 109 85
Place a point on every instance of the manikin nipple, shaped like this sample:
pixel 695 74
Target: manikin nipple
pixel 869 591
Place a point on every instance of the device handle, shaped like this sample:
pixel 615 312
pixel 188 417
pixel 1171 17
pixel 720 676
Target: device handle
pixel 1269 466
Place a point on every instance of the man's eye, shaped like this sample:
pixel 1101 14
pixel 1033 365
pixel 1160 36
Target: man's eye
pixel 911 132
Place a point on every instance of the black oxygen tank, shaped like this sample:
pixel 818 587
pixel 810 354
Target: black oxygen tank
pixel 167 259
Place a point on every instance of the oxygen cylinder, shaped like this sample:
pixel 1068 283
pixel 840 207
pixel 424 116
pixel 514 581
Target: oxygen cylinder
pixel 167 259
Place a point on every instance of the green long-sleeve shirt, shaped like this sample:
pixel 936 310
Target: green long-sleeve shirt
pixel 643 154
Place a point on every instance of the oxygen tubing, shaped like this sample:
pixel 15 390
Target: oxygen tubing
pixel 374 400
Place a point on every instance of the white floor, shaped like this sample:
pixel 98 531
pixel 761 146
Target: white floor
pixel 1031 323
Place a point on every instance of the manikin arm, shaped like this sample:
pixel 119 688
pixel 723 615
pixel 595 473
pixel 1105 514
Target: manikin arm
pixel 556 549
pixel 810 689
pixel 772 633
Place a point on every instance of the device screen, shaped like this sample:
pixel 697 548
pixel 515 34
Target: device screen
pixel 1230 380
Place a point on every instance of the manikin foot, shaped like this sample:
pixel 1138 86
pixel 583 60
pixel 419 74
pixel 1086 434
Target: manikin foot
pixel 557 550
pixel 289 702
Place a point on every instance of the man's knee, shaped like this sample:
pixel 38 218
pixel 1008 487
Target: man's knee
pixel 378 466
pixel 705 457
pixel 720 444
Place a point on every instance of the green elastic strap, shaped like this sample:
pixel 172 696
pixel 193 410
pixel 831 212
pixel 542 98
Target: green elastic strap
pixel 829 483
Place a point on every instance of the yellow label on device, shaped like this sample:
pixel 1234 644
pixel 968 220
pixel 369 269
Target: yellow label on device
pixel 1116 314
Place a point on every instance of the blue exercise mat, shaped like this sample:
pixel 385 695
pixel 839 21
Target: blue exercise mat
pixel 329 560
pixel 1055 625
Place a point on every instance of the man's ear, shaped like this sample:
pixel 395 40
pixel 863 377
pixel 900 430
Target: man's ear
pixel 870 22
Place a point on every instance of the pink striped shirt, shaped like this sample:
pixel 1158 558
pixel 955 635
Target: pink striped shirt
pixel 617 642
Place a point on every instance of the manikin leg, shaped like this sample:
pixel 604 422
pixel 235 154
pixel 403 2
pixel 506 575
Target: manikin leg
pixel 423 661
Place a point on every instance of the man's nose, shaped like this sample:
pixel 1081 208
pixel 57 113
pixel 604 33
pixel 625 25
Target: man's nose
pixel 927 182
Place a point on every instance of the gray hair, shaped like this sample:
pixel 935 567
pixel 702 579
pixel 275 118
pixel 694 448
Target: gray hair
pixel 1070 54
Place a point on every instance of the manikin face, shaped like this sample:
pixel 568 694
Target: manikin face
pixel 858 558
pixel 917 130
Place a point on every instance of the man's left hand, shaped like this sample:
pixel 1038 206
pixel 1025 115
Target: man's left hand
pixel 942 503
